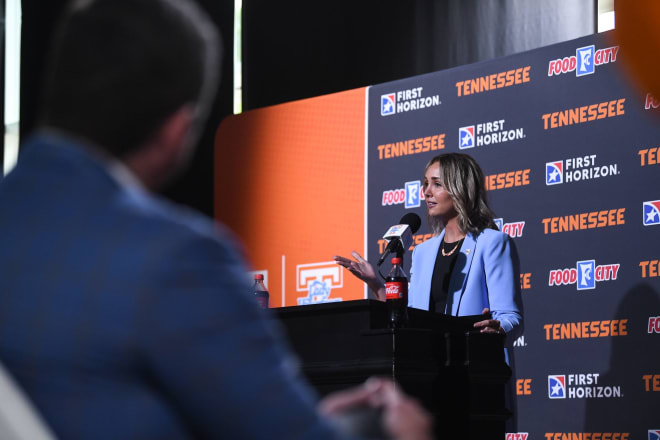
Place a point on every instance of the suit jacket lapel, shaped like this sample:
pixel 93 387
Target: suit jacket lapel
pixel 460 274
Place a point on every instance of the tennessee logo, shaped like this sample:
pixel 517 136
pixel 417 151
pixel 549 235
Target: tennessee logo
pixel 387 104
pixel 466 137
pixel 652 213
pixel 554 173
pixel 318 279
pixel 557 387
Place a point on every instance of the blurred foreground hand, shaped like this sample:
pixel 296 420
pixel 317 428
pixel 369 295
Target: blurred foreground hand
pixel 378 409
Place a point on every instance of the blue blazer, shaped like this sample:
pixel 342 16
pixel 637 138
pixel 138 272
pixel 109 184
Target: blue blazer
pixel 123 316
pixel 486 274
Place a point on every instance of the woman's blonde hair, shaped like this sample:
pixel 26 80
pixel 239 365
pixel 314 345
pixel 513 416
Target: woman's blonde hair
pixel 463 179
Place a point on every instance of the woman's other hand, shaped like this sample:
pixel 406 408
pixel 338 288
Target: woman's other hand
pixel 489 325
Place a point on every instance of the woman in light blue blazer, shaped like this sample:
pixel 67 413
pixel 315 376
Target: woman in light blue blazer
pixel 468 267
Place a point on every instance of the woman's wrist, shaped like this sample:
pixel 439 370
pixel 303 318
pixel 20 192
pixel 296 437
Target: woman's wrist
pixel 378 288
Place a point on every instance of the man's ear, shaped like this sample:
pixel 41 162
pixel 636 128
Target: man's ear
pixel 173 138
pixel 167 151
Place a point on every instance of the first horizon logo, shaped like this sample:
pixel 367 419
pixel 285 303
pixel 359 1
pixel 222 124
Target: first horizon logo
pixel 406 100
pixel 577 169
pixel 651 213
pixel 487 133
pixel 580 386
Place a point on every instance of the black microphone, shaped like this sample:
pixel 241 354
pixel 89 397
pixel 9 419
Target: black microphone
pixel 400 236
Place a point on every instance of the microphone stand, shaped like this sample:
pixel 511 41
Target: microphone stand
pixel 398 248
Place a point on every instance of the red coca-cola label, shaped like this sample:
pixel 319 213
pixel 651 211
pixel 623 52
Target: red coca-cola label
pixel 395 289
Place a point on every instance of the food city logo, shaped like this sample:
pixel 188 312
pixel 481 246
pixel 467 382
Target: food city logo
pixel 513 229
pixel 580 386
pixel 577 169
pixel 651 212
pixel 654 324
pixel 406 100
pixel 584 61
pixel 318 279
pixel 487 133
pixel 654 434
pixel 411 195
pixel 651 102
pixel 516 436
pixel 585 274
pixel 493 81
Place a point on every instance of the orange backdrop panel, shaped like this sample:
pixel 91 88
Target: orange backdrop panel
pixel 289 181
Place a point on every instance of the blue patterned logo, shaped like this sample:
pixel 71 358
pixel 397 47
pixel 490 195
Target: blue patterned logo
pixel 652 213
pixel 412 194
pixel 466 137
pixel 557 387
pixel 586 278
pixel 554 172
pixel 585 60
pixel 387 104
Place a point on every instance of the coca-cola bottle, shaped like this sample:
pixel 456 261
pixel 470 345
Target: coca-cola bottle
pixel 396 291
pixel 260 291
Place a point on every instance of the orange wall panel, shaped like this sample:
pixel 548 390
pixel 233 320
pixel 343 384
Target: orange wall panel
pixel 289 181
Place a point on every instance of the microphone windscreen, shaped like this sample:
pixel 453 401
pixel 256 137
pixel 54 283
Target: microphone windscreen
pixel 413 220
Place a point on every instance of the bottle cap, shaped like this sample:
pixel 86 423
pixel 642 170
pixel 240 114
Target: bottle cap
pixel 397 260
pixel 259 276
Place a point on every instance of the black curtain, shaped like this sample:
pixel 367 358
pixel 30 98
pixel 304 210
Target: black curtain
pixel 195 186
pixel 300 49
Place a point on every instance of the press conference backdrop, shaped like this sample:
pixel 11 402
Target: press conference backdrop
pixel 572 159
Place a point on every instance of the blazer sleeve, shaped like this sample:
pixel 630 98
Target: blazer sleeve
pixel 502 271
pixel 217 356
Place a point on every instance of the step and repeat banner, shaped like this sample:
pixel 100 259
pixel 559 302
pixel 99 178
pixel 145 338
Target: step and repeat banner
pixel 571 155
pixel 572 159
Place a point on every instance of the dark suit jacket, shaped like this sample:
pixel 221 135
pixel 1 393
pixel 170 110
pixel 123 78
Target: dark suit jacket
pixel 124 317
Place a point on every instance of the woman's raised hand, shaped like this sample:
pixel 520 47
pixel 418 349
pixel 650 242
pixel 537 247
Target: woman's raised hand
pixel 362 269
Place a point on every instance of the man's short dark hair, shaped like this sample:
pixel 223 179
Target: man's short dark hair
pixel 120 68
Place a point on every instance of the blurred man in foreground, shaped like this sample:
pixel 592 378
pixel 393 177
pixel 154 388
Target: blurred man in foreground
pixel 123 316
